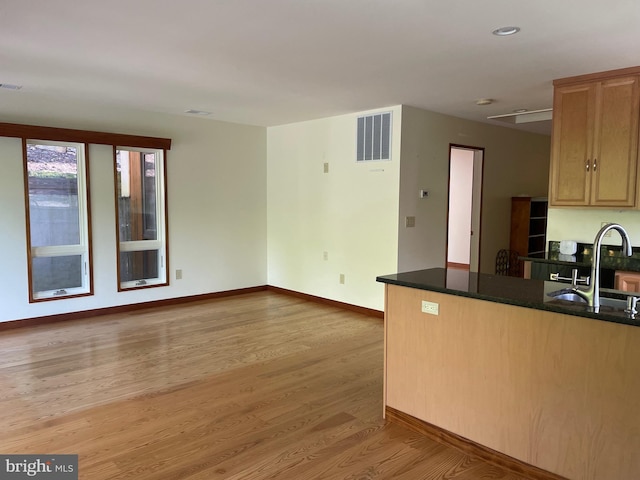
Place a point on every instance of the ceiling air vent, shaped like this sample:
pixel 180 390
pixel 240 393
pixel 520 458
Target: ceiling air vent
pixel 374 137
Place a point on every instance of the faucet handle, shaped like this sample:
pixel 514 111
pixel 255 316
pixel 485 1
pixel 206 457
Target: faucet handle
pixel 575 279
pixel 631 305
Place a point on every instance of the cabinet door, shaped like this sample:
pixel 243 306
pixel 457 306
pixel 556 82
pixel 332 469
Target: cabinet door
pixel 616 143
pixel 572 143
pixel 628 281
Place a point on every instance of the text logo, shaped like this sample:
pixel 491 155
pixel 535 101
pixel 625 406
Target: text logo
pixel 44 467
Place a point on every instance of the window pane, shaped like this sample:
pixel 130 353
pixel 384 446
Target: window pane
pixel 138 265
pixel 141 222
pixel 57 219
pixel 136 183
pixel 56 273
pixel 53 195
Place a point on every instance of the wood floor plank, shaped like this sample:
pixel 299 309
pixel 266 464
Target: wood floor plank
pixel 253 387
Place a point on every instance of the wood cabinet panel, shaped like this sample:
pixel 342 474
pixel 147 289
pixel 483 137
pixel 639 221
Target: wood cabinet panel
pixel 571 144
pixel 594 151
pixel 627 281
pixel 556 391
pixel 616 150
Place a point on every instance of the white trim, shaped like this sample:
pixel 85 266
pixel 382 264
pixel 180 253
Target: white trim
pixel 58 251
pixel 53 293
pixel 141 245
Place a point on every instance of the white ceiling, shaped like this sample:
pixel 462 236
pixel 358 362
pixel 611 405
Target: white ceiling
pixel 271 62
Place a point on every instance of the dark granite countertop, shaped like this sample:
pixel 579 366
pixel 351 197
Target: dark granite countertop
pixel 502 289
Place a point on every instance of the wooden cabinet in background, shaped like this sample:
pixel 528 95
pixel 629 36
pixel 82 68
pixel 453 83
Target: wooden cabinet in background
pixel 627 281
pixel 594 151
pixel 528 225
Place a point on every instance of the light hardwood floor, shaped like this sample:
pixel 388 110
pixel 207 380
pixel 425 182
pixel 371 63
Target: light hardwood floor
pixel 258 386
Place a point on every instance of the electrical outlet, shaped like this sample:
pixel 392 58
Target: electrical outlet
pixel 325 255
pixel 325 167
pixel 431 308
pixel 409 222
pixel 179 274
pixel 342 278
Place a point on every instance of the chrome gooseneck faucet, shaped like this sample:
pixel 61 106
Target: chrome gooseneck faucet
pixel 592 293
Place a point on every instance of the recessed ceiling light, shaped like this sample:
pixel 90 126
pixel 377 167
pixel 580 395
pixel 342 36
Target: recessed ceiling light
pixel 485 101
pixel 504 31
pixel 10 86
pixel 197 112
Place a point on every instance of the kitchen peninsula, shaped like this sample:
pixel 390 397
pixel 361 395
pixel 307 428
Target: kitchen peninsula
pixel 501 364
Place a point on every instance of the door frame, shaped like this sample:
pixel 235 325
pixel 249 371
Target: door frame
pixel 475 209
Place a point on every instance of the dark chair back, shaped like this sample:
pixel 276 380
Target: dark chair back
pixel 507 263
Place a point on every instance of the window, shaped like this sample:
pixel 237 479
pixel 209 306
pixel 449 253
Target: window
pixel 374 137
pixel 141 218
pixel 57 209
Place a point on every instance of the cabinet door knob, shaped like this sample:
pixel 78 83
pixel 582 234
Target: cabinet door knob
pixel 595 164
pixel 586 164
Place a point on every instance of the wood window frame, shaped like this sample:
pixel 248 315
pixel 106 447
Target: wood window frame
pixel 16 130
pixel 87 137
pixel 84 247
pixel 163 240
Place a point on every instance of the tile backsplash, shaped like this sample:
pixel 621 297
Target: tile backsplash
pixel 611 258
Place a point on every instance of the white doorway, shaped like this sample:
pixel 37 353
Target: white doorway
pixel 464 212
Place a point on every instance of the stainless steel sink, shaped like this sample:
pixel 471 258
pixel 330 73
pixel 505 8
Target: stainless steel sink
pixel 568 295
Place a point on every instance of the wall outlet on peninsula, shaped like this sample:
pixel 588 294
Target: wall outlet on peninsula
pixel 431 308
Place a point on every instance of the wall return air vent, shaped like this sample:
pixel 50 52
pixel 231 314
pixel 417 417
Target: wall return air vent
pixel 374 137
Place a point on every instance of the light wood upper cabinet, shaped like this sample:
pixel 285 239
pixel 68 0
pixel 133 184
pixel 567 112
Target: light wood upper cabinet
pixel 594 151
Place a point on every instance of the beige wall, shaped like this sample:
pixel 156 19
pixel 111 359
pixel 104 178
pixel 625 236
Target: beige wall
pixel 216 191
pixel 582 224
pixel 514 163
pixel 229 226
pixel 351 212
pixel 356 212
